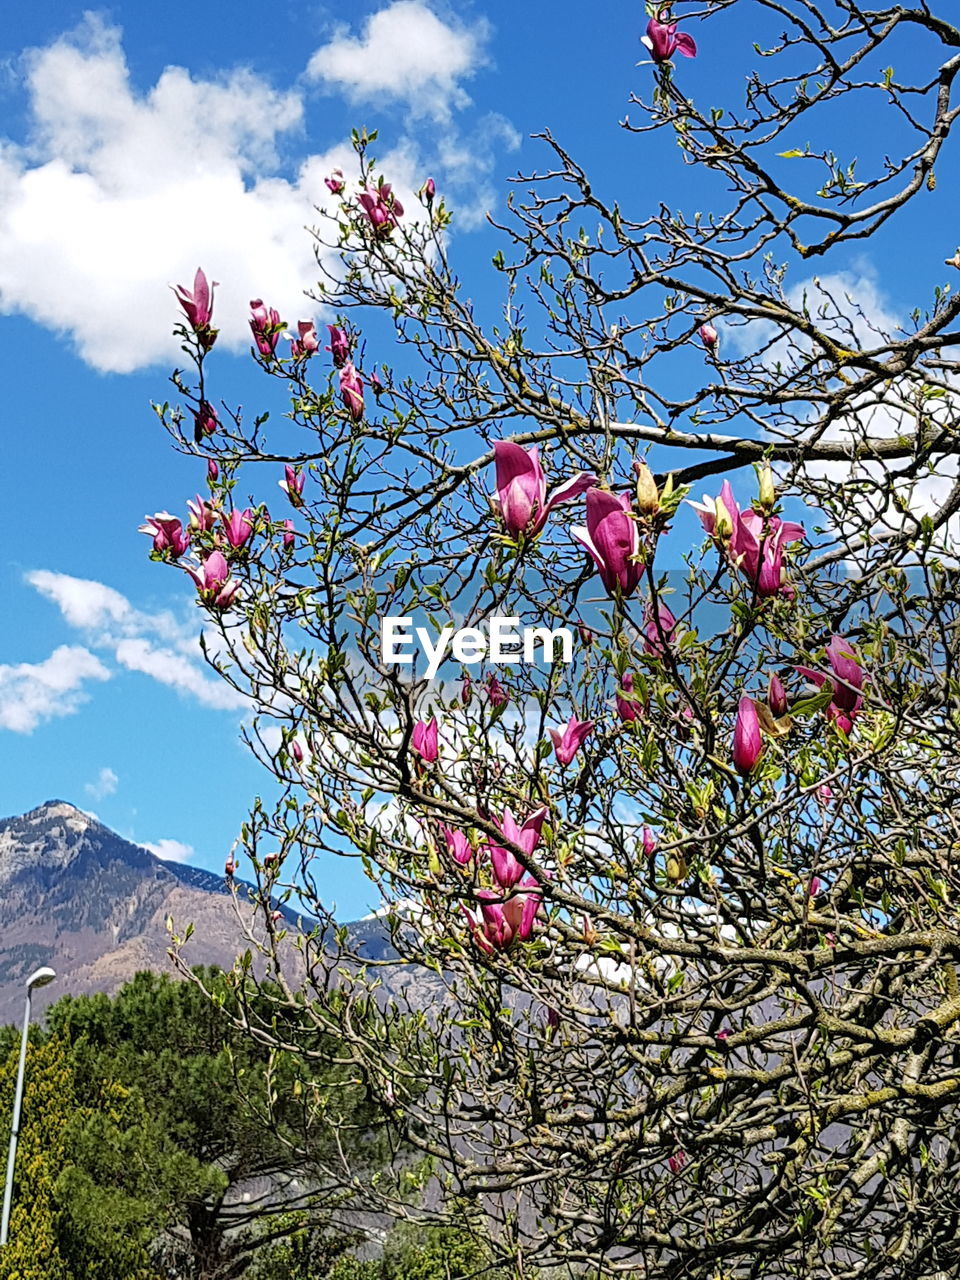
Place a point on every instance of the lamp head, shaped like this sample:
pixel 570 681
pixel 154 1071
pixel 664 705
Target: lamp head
pixel 40 977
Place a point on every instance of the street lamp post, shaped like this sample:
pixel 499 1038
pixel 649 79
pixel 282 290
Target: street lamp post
pixel 39 978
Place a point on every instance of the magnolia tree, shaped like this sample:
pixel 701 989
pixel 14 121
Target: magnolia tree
pixel 660 792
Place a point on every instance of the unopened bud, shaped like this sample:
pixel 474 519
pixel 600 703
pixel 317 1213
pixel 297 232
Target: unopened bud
pixel 648 496
pixel 723 521
pixel 768 495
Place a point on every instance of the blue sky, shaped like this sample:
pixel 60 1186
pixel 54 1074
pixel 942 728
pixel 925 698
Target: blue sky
pixel 140 140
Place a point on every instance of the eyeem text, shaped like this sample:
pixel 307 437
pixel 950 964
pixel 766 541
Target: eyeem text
pixel 504 640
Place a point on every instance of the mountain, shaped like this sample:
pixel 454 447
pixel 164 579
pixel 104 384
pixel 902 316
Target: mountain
pixel 78 897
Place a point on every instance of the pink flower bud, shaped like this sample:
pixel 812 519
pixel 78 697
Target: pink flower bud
pixel 292 485
pixel 676 1162
pixel 496 693
pixel 649 842
pixel 567 743
pixel 814 887
pixel 612 540
pixel 229 867
pixel 289 535
pixel 198 308
pixel 213 471
pixel 339 347
pixel 351 389
pixel 202 515
pixel 664 40
pixel 776 697
pixel 424 740
pixel 265 325
pixel 507 868
pixel 747 741
pixel 628 709
pixel 213 581
pixel 296 751
pixel 205 421
pixel 308 343
pixel 709 336
pixel 586 635
pixel 238 526
pixel 334 182
pixel 381 207
pixel 169 538
pixel 458 846
pixel 428 191
pixel 466 691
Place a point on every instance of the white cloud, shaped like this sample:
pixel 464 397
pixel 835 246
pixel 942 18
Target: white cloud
pixel 120 193
pixel 31 693
pixel 405 54
pixel 178 672
pixel 104 785
pixel 170 850
pixel 156 644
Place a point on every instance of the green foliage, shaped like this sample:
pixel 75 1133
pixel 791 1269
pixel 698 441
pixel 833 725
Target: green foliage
pixel 146 1115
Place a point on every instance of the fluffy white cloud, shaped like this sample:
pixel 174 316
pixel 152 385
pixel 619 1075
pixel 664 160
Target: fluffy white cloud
pixel 120 193
pixel 176 671
pixel 105 784
pixel 406 54
pixel 170 850
pixel 31 693
pixel 155 644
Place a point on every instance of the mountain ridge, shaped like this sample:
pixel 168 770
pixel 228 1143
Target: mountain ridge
pixel 79 897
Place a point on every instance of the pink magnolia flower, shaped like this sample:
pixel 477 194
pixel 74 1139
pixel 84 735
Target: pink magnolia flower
pixel 334 182
pixel 296 750
pixel 747 740
pixel 238 526
pixel 663 624
pixel 428 191
pixel 308 343
pixel 265 325
pixel 213 580
pixel 504 921
pixel 724 1034
pixel 229 867
pixel 339 346
pixel 568 741
pixel 709 336
pixel 381 207
pixel 586 635
pixel 753 543
pixel 276 916
pixel 676 1162
pixel 213 471
pixel 522 497
pixel 814 887
pixel 776 697
pixel 496 693
pixel 612 540
pixel 351 389
pixel 202 514
pixel 507 870
pixel 289 535
pixel 628 708
pixel 198 308
pixel 649 842
pixel 458 846
pixel 376 386
pixel 167 533
pixel 846 699
pixel 205 420
pixel 664 40
pixel 292 484
pixel 424 739
pixel 825 794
